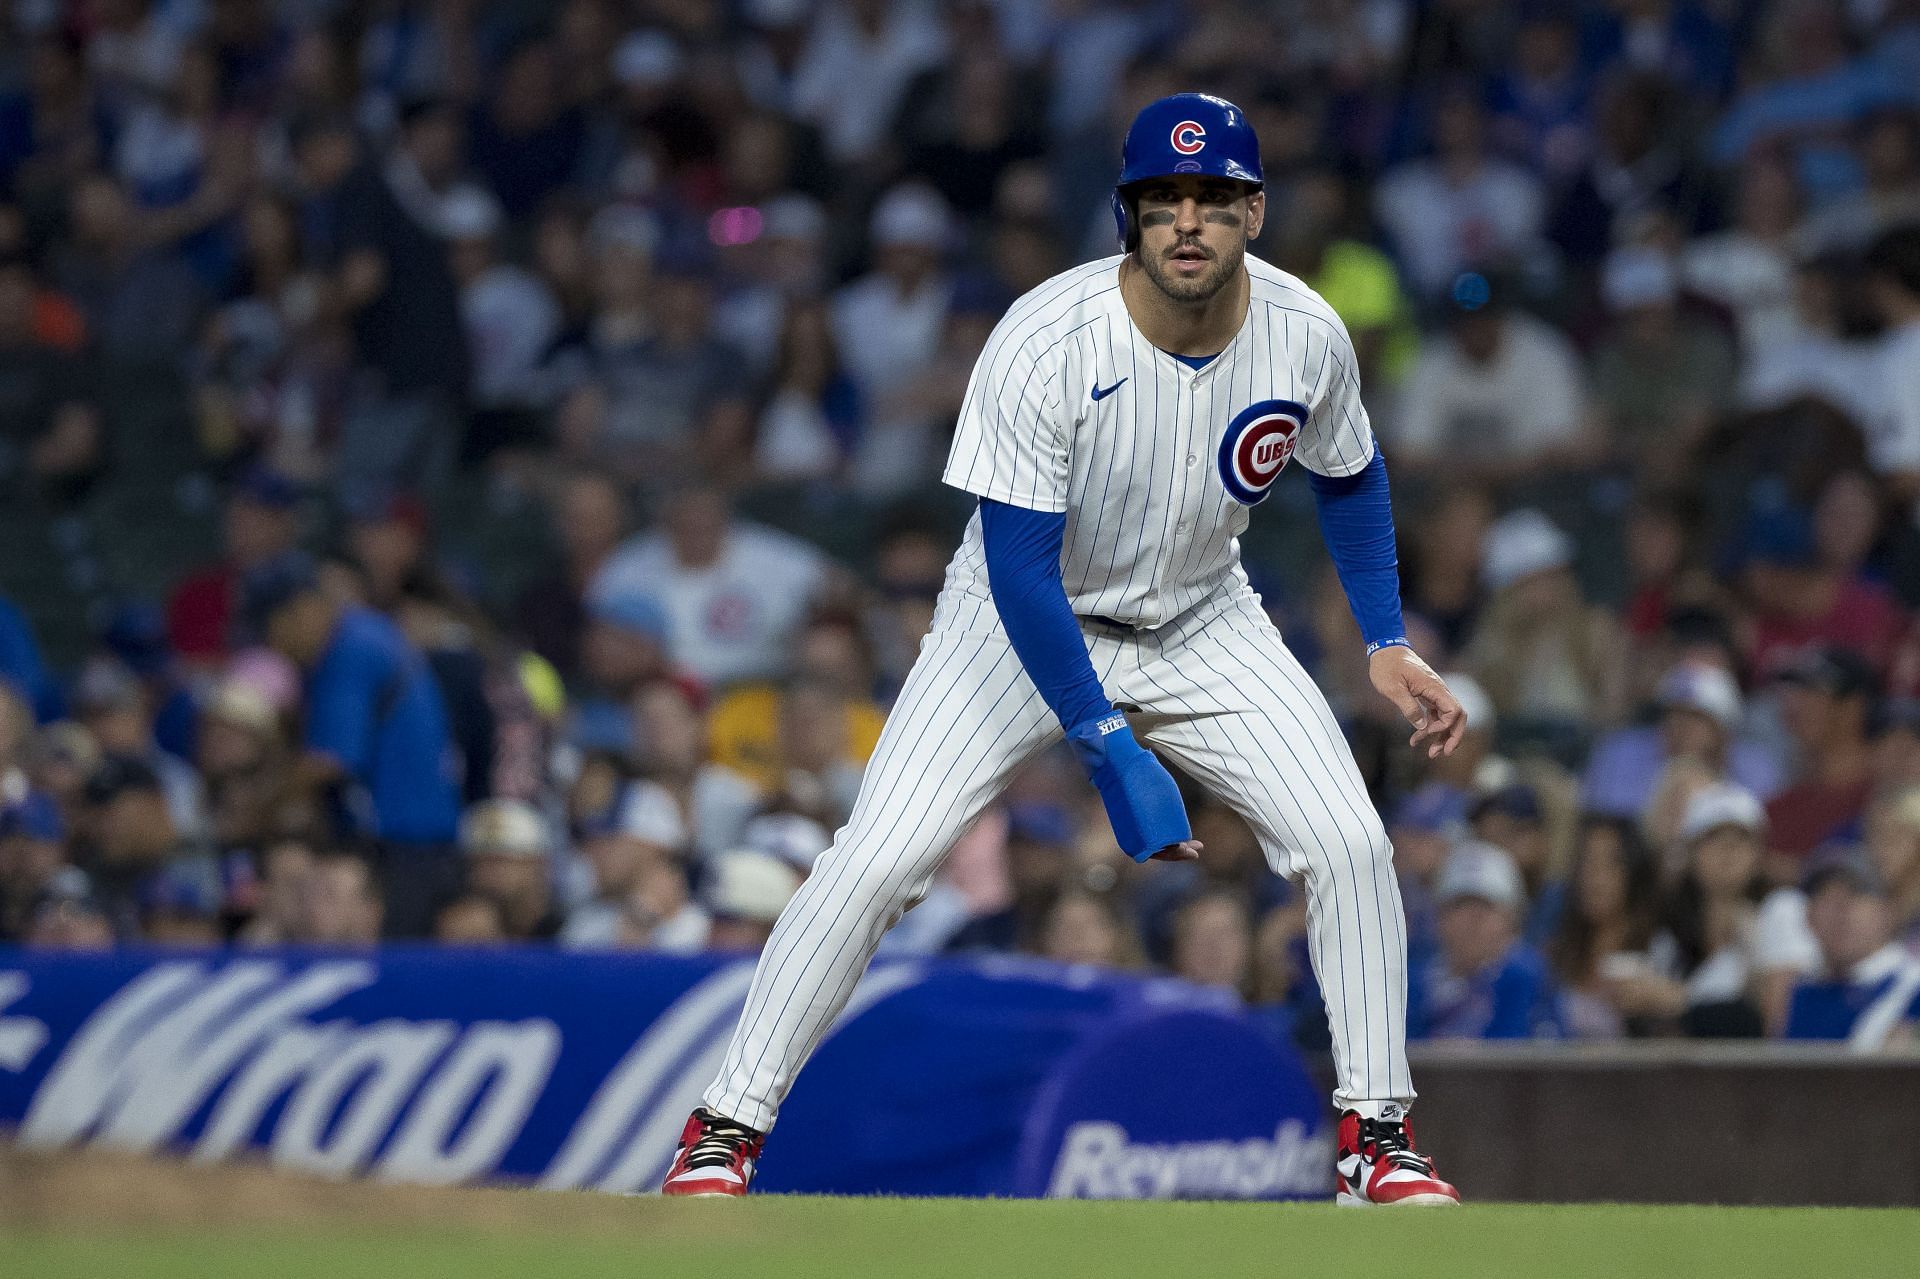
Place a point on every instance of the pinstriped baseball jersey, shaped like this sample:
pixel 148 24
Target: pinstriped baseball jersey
pixel 1156 464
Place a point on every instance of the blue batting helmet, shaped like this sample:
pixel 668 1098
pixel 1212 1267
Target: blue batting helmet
pixel 1186 133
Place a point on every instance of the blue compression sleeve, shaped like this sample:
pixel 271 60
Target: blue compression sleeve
pixel 1023 572
pixel 1356 522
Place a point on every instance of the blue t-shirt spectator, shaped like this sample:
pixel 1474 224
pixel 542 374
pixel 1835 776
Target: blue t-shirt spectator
pixel 1882 991
pixel 372 704
pixel 1512 998
pixel 22 666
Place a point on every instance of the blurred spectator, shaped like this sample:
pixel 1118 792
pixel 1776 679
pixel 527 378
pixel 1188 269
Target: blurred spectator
pixel 1826 701
pixel 671 748
pixel 286 868
pixel 642 830
pixel 109 701
pixel 1661 376
pixel 68 917
pixel 23 672
pixel 1484 982
pixel 512 319
pixel 1464 207
pixel 1541 651
pixel 625 647
pixel 142 301
pixel 813 413
pixel 471 919
pixel 1865 989
pixel 508 852
pixel 1699 715
pixel 1606 929
pixel 732 590
pixel 1497 394
pixel 242 755
pixel 528 141
pixel 396 283
pixel 744 893
pixel 1889 150
pixel 340 903
pixel 1038 858
pixel 1800 598
pixel 1748 268
pixel 1663 547
pixel 1638 168
pixel 1441 562
pixel 1728 950
pixel 831 656
pixel 1893 843
pixel 33 853
pixel 590 515
pixel 1893 266
pixel 133 852
pixel 261 521
pixel 376 725
pixel 1213 941
pixel 1081 927
pixel 855 66
pixel 1511 819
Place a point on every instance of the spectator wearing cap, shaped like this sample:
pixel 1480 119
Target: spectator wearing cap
pixel 512 317
pixel 1613 897
pixel 637 839
pixel 1796 599
pixel 135 635
pixel 1699 710
pixel 744 893
pixel 1728 950
pixel 508 850
pixel 671 748
pixel 1544 655
pixel 261 521
pixel 734 591
pixel 625 647
pixel 1513 819
pixel 242 754
pixel 179 906
pixel 374 719
pixel 113 705
pixel 1484 982
pixel 1038 853
pixel 1826 701
pixel 1660 376
pixel 68 917
pixel 132 845
pixel 889 322
pixel 1867 988
pixel 33 851
pixel 1424 827
pixel 395 284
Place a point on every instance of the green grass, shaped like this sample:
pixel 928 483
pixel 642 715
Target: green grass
pixel 856 1238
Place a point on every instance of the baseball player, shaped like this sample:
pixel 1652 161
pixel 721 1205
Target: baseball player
pixel 1120 424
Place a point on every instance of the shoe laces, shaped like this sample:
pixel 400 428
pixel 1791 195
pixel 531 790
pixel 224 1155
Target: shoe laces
pixel 720 1141
pixel 1393 1145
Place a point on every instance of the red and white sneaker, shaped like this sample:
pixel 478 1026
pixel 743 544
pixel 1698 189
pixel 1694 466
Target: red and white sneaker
pixel 716 1157
pixel 1377 1165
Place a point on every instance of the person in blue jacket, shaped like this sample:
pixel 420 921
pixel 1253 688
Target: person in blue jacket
pixel 1485 982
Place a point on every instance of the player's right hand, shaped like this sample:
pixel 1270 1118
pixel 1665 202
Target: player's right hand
pixel 1142 800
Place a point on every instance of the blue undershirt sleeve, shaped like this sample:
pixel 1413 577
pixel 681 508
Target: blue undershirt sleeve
pixel 1023 572
pixel 1356 522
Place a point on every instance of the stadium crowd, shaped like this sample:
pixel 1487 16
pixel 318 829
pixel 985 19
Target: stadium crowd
pixel 492 322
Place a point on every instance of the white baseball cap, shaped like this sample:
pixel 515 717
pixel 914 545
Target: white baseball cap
pixel 793 217
pixel 745 884
pixel 647 812
pixel 1476 868
pixel 1637 276
pixel 1521 544
pixel 912 214
pixel 1710 690
pixel 470 213
pixel 647 60
pixel 507 827
pixel 1722 804
pixel 1473 699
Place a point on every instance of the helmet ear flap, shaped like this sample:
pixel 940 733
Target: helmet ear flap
pixel 1125 222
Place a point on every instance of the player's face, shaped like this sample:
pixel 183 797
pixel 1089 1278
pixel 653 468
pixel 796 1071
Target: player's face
pixel 1194 233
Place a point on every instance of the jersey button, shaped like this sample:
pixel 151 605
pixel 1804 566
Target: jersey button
pixel 1192 460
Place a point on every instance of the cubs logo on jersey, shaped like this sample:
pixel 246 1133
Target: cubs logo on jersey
pixel 1256 448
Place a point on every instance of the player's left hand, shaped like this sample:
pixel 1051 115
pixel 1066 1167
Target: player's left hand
pixel 1410 684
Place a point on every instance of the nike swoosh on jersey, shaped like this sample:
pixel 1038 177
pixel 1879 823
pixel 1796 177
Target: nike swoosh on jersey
pixel 1101 393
